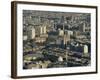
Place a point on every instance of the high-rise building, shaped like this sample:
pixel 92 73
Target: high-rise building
pixel 60 59
pixel 85 49
pixel 69 32
pixel 76 33
pixel 82 27
pixel 61 32
pixel 33 33
pixel 65 40
pixel 42 29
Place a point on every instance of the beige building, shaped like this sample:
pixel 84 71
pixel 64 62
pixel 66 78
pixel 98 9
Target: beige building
pixel 66 38
pixel 33 33
pixel 85 49
pixel 42 29
pixel 61 32
pixel 40 39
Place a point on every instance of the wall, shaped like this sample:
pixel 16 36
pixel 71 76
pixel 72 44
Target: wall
pixel 5 40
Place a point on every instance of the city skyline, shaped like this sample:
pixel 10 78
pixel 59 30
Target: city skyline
pixel 56 39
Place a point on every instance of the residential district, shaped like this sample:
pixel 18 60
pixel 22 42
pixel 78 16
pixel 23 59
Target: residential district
pixel 56 39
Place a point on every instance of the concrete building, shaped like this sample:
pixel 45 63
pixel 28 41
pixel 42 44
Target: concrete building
pixel 66 38
pixel 76 33
pixel 43 29
pixel 60 58
pixel 82 27
pixel 61 32
pixel 85 49
pixel 33 33
pixel 59 41
pixel 40 39
pixel 69 32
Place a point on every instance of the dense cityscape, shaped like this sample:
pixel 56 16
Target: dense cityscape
pixel 56 39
